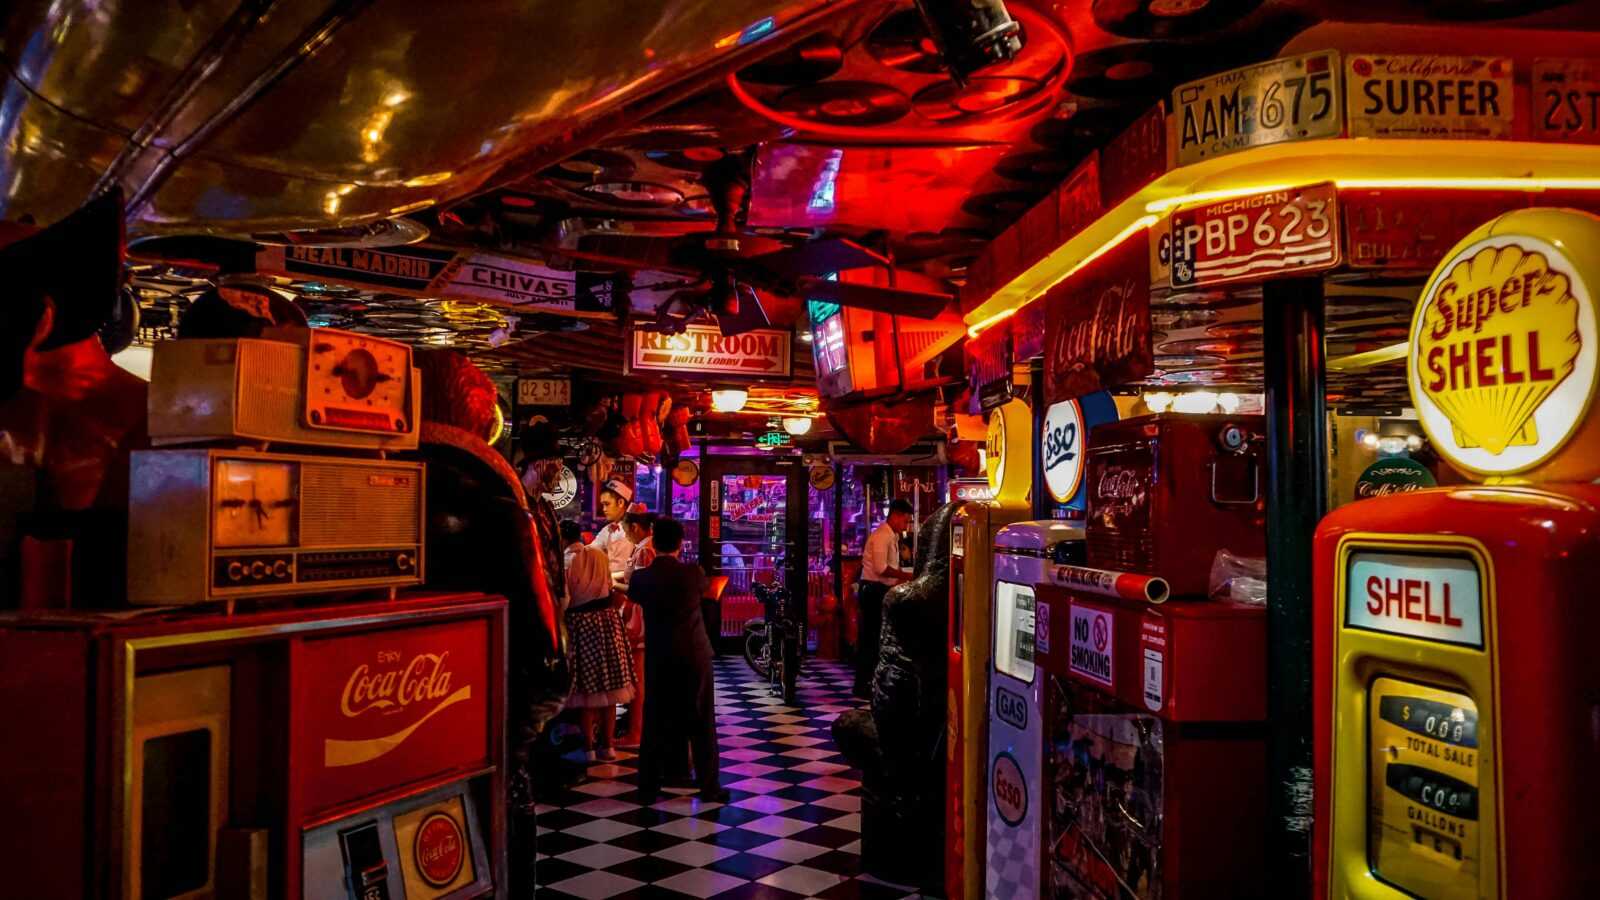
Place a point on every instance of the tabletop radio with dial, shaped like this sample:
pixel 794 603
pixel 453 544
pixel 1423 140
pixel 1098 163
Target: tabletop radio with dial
pixel 213 524
pixel 316 387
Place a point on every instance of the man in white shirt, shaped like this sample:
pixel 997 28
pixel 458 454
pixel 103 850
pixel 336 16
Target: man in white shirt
pixel 614 499
pixel 880 570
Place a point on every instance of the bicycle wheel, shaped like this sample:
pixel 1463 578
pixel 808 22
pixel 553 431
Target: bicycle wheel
pixel 757 653
pixel 789 677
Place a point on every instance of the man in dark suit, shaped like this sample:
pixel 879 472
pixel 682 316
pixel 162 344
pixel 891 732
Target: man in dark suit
pixel 677 666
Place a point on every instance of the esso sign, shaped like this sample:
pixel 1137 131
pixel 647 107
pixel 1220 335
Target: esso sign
pixel 1010 790
pixel 1061 449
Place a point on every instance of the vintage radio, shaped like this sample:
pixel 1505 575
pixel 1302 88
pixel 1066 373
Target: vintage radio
pixel 1166 492
pixel 210 524
pixel 316 387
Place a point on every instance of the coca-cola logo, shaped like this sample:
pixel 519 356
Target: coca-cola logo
pixel 423 678
pixel 418 687
pixel 1118 483
pixel 439 850
pixel 1113 332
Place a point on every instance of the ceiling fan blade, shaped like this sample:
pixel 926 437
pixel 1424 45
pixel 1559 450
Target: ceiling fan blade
pixel 748 316
pixel 916 304
pixel 619 257
pixel 227 256
pixel 818 258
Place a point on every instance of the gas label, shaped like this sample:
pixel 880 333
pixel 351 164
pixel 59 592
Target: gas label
pixel 1011 707
pixel 1092 645
pixel 1435 598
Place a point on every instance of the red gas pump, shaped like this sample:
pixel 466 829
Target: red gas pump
pixel 1456 685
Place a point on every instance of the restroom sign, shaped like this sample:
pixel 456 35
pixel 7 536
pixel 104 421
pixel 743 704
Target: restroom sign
pixel 1093 644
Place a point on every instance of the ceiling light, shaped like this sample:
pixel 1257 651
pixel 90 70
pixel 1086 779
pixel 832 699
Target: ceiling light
pixel 1158 402
pixel 1195 402
pixel 730 400
pixel 796 425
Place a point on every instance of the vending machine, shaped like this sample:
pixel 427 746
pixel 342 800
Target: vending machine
pixel 331 752
pixel 1456 690
pixel 1014 847
pixel 973 529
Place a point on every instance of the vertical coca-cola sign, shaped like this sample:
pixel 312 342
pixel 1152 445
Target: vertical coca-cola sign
pixel 1097 328
pixel 381 709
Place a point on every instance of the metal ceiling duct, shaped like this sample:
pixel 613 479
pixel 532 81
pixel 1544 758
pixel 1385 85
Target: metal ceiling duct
pixel 279 115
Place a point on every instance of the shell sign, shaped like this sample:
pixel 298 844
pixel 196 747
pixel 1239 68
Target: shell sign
pixel 1502 363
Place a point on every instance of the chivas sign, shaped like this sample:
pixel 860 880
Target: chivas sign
pixel 1097 332
pixel 384 708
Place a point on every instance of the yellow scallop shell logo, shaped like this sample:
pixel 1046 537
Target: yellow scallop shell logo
pixel 1500 335
pixel 1503 356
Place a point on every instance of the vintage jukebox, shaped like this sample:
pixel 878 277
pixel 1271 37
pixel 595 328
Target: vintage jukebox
pixel 1014 847
pixel 973 529
pixel 337 752
pixel 1456 684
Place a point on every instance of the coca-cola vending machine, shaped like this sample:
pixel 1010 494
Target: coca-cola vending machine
pixel 336 751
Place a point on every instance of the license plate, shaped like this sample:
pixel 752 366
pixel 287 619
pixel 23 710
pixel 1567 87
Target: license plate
pixel 1412 230
pixel 1291 99
pixel 1566 100
pixel 1429 96
pixel 1266 235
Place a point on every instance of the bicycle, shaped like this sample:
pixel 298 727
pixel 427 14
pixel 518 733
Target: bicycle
pixel 776 628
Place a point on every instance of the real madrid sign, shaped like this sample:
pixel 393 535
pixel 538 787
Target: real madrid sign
pixel 1502 362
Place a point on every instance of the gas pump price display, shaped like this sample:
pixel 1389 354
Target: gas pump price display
pixel 1423 786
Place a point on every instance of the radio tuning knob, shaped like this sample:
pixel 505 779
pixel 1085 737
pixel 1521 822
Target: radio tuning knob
pixel 280 569
pixel 258 569
pixel 402 562
pixel 235 571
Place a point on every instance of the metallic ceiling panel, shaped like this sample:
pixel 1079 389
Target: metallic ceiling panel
pixel 246 119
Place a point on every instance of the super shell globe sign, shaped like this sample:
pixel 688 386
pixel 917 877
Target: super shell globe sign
pixel 1502 362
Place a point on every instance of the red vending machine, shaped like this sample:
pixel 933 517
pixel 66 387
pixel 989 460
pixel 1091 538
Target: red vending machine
pixel 340 751
pixel 1458 697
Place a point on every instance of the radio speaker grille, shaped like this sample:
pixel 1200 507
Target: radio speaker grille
pixel 343 505
pixel 270 382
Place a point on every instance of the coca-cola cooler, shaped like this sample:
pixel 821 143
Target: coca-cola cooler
pixel 1166 492
pixel 333 751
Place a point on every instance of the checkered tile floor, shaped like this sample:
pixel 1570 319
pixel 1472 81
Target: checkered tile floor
pixel 791 829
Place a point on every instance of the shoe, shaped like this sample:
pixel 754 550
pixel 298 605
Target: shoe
pixel 715 795
pixel 605 754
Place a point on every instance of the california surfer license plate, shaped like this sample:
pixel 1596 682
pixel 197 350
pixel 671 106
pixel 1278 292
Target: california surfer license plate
pixel 1293 99
pixel 1266 235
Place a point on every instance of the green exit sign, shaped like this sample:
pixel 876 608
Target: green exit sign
pixel 772 440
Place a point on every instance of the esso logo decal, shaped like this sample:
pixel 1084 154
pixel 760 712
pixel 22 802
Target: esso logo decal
pixel 1011 707
pixel 1061 449
pixel 441 849
pixel 1010 790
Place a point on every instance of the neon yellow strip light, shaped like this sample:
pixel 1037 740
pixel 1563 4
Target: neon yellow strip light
pixel 1350 163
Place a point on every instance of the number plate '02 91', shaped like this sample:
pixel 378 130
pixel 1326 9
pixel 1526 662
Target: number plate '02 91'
pixel 1264 235
pixel 1292 99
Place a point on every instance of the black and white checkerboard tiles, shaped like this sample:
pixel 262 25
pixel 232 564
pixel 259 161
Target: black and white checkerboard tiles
pixel 791 829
